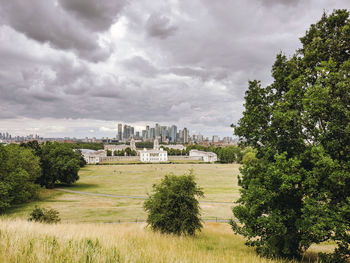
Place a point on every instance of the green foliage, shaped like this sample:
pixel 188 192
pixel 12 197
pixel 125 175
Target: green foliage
pixel 109 153
pixel 174 152
pixel 148 145
pixel 173 207
pixel 80 158
pixel 44 215
pixel 126 152
pixel 249 154
pixel 19 169
pixel 295 192
pixel 86 145
pixel 59 164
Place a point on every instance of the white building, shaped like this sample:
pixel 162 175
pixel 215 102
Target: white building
pixel 208 157
pixel 153 156
pixel 175 146
pixel 91 156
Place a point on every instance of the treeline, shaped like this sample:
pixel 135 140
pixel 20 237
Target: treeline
pixel 174 152
pixel 141 145
pixel 26 167
pixel 87 145
pixel 127 152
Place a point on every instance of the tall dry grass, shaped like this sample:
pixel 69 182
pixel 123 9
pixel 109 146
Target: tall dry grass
pixel 22 241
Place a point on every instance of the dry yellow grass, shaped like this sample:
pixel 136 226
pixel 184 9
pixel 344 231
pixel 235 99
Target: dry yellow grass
pixel 22 241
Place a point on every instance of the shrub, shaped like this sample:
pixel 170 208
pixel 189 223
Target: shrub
pixel 44 215
pixel 173 207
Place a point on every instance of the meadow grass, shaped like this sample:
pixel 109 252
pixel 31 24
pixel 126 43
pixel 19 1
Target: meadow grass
pixel 22 241
pixel 219 183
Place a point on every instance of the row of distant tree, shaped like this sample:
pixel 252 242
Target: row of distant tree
pixel 27 167
pixel 127 152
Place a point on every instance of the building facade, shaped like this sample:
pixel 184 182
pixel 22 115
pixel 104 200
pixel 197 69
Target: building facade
pixel 208 157
pixel 156 155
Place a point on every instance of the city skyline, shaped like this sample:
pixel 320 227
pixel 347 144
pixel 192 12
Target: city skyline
pixel 124 132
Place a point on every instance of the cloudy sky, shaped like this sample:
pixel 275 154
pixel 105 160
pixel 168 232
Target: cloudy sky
pixel 78 67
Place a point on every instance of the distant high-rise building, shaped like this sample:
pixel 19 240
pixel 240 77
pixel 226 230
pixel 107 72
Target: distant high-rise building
pixel 148 132
pixel 199 138
pixel 120 131
pixel 152 133
pixel 215 138
pixel 157 131
pixel 173 133
pixel 185 135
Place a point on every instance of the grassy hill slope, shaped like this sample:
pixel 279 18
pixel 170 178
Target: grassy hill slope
pixel 22 241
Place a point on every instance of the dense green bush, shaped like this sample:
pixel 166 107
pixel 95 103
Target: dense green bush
pixel 44 215
pixel 173 207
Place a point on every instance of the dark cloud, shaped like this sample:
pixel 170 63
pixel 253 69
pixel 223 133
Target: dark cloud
pixel 97 15
pixel 159 26
pixel 47 22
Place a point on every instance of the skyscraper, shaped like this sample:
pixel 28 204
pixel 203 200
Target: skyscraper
pixel 185 135
pixel 157 130
pixel 173 132
pixel 120 131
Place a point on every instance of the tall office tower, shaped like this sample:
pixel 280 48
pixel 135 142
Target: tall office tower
pixel 126 132
pixel 137 135
pixel 157 130
pixel 200 138
pixel 163 131
pixel 215 138
pixel 120 131
pixel 148 133
pixel 132 131
pixel 185 136
pixel 152 133
pixel 144 134
pixel 179 136
pixel 173 133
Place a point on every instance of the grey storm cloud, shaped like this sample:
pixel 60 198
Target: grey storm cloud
pixel 73 27
pixel 159 26
pixel 184 62
pixel 96 15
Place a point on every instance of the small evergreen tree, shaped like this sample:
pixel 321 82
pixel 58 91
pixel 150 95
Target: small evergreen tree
pixel 173 207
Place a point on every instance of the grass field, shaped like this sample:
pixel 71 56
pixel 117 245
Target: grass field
pixel 27 242
pixel 83 237
pixel 219 183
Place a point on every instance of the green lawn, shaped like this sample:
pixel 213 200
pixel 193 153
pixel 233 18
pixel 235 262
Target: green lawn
pixel 219 183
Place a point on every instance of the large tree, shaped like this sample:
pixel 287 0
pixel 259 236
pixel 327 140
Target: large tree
pixel 60 164
pixel 297 191
pixel 19 169
pixel 173 207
